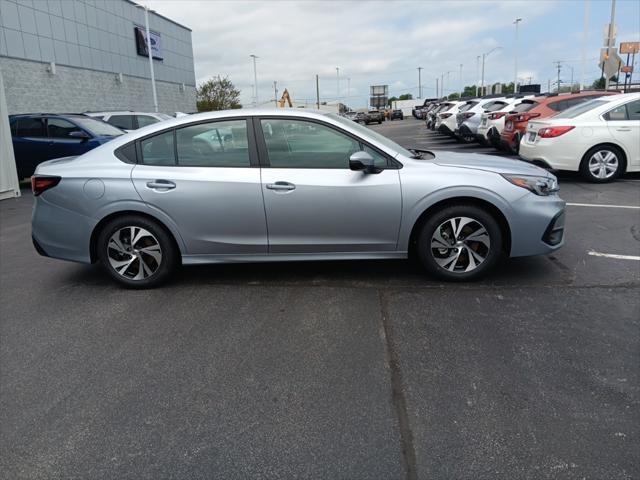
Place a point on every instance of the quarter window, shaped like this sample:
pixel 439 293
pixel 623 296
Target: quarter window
pixel 59 128
pixel 302 144
pixel 30 127
pixel 213 144
pixel 158 150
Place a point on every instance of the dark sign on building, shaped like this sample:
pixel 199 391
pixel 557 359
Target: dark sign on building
pixel 141 43
pixel 379 96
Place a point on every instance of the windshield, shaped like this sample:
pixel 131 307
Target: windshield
pixel 579 109
pixel 372 134
pixel 98 127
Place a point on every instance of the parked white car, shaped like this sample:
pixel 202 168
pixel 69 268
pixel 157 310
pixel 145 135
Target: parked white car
pixel 469 116
pixel 599 138
pixel 492 123
pixel 446 118
pixel 128 121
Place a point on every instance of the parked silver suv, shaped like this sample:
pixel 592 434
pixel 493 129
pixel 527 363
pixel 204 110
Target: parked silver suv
pixel 270 185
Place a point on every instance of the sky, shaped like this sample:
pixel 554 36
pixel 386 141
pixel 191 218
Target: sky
pixel 384 42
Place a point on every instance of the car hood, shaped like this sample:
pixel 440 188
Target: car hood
pixel 488 163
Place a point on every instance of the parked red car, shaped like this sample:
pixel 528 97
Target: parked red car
pixel 515 125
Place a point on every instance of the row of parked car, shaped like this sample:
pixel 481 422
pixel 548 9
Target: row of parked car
pixel 594 132
pixel 374 116
pixel 38 137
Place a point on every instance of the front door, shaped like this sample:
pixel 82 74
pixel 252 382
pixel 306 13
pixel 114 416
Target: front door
pixel 314 202
pixel 205 177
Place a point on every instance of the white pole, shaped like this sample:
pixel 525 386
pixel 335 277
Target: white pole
pixel 482 80
pixel 255 81
pixel 348 87
pixel 153 78
pixel 609 40
pixel 337 83
pixel 461 84
pixel 585 40
pixel 515 73
pixel 477 73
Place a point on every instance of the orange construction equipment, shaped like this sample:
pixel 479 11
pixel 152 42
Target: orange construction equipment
pixel 285 98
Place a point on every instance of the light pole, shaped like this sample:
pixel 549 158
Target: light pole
pixel 461 84
pixel 448 76
pixel 337 83
pixel 348 86
pixel 610 39
pixel 255 81
pixel 477 73
pixel 485 55
pixel 442 85
pixel 153 78
pixel 419 82
pixel 515 68
pixel 275 92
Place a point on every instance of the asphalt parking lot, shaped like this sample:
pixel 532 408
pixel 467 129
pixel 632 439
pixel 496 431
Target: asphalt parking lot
pixel 341 370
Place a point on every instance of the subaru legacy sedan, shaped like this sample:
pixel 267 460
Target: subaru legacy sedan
pixel 269 185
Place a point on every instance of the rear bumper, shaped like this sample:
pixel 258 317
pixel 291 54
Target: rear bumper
pixel 555 156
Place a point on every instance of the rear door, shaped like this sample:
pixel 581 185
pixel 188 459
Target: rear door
pixel 314 203
pixel 205 177
pixel 30 144
pixel 624 125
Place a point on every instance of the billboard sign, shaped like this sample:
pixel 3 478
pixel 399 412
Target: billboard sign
pixel 630 47
pixel 141 43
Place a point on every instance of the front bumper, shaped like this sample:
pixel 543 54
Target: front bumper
pixel 537 225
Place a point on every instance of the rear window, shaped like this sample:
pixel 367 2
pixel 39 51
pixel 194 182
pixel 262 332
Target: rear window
pixel 573 112
pixel 467 106
pixel 494 106
pixel 524 106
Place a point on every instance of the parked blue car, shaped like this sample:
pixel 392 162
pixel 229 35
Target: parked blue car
pixel 38 137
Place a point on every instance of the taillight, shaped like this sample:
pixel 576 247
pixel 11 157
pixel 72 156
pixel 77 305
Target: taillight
pixel 445 115
pixel 525 117
pixel 469 115
pixel 497 115
pixel 41 184
pixel 552 132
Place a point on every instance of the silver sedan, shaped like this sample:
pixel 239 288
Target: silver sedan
pixel 282 185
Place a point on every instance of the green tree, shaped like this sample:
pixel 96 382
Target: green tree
pixel 217 94
pixel 454 96
pixel 406 96
pixel 599 83
pixel 391 100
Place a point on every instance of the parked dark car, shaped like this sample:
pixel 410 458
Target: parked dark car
pixel 373 116
pixel 38 137
pixel 397 114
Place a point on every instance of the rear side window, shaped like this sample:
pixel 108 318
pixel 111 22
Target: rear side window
pixel 144 120
pixel 124 122
pixel 558 106
pixel 30 127
pixel 158 150
pixel 59 128
pixel 213 144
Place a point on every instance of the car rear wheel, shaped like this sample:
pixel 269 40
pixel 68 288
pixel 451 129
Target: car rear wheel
pixel 602 164
pixel 460 243
pixel 136 252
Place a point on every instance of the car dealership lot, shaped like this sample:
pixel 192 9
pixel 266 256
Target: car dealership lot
pixel 330 370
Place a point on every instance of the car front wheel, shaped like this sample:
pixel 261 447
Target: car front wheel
pixel 460 243
pixel 136 252
pixel 602 164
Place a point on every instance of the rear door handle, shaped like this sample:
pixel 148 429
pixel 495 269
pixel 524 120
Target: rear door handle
pixel 281 186
pixel 161 184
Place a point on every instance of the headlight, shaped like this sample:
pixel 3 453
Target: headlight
pixel 538 185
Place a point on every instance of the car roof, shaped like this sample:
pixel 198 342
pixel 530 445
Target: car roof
pixel 63 115
pixel 554 97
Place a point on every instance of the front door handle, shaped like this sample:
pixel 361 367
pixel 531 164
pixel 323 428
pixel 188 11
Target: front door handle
pixel 281 186
pixel 161 184
pixel 623 129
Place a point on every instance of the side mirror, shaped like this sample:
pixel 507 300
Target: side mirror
pixel 79 134
pixel 362 161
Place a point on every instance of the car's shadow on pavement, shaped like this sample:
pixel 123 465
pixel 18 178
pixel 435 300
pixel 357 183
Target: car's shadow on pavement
pixel 516 272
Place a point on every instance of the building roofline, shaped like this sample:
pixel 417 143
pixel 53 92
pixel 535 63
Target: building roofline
pixel 153 12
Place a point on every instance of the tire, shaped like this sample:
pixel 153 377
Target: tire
pixel 453 261
pixel 602 164
pixel 153 248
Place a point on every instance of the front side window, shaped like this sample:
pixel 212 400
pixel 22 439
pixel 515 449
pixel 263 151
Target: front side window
pixel 59 128
pixel 213 144
pixel 618 113
pixel 144 120
pixel 633 110
pixel 30 127
pixel 302 144
pixel 124 122
pixel 158 150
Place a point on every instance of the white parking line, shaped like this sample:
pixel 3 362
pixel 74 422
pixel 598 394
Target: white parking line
pixel 601 205
pixel 613 255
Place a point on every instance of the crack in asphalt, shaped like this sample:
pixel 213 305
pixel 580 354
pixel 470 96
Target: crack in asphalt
pixel 397 392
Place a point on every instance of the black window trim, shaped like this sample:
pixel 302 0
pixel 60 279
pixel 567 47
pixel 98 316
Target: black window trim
pixel 253 152
pixel 392 163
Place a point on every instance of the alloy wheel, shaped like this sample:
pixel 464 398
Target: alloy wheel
pixel 603 164
pixel 134 253
pixel 460 244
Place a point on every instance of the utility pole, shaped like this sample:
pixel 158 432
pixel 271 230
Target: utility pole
pixel 448 76
pixel 610 39
pixel 337 83
pixel 585 40
pixel 275 92
pixel 549 85
pixel 559 67
pixel 437 89
pixel 477 73
pixel 515 73
pixel 461 84
pixel 442 85
pixel 348 87
pixel 255 81
pixel 317 93
pixel 419 82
